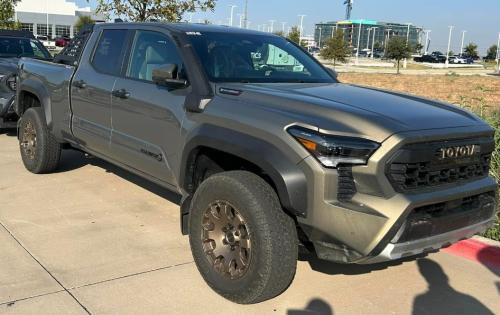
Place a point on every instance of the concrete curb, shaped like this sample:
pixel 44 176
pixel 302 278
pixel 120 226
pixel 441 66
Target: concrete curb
pixel 479 249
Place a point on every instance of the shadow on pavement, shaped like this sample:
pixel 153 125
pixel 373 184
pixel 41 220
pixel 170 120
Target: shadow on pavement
pixel 9 132
pixel 332 268
pixel 73 159
pixel 490 258
pixel 315 306
pixel 440 297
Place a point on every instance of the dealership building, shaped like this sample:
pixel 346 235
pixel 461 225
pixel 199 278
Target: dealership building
pixel 368 31
pixel 53 18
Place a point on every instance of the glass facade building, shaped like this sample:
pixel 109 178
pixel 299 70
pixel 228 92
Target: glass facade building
pixel 368 31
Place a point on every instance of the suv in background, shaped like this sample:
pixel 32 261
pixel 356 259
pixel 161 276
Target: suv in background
pixel 14 45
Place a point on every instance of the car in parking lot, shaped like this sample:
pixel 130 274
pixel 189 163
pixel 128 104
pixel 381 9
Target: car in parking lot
pixel 62 41
pixel 47 42
pixel 264 146
pixel 14 45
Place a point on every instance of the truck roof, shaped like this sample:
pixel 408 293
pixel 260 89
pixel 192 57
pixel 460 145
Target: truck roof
pixel 17 33
pixel 189 27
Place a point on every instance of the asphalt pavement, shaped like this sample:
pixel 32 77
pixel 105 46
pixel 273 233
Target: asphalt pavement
pixel 94 239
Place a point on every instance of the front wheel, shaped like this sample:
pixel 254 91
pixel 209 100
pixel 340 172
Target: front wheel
pixel 40 151
pixel 243 244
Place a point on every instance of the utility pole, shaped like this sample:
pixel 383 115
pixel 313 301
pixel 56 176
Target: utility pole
pixel 373 41
pixel 245 22
pixel 405 63
pixel 272 26
pixel 462 47
pixel 427 32
pixel 301 31
pixel 449 46
pixel 359 40
pixel 232 14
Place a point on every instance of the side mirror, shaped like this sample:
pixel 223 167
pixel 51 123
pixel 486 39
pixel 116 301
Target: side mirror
pixel 167 75
pixel 332 72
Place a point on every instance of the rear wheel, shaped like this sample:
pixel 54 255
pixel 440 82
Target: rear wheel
pixel 243 244
pixel 40 151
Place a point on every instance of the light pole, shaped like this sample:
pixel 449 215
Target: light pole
pixel 498 54
pixel 368 38
pixel 283 24
pixel 359 40
pixel 462 47
pixel 373 41
pixel 245 22
pixel 319 41
pixel 272 26
pixel 387 39
pixel 427 32
pixel 405 62
pixel 448 51
pixel 232 14
pixel 301 31
pixel 241 19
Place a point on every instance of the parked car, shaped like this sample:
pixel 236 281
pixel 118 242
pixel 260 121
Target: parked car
pixel 62 41
pixel 428 59
pixel 14 45
pixel 47 42
pixel 457 60
pixel 263 145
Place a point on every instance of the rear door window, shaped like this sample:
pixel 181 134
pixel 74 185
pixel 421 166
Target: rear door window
pixel 108 54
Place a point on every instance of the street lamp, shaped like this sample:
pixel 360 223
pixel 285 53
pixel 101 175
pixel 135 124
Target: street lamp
pixel 272 26
pixel 427 32
pixel 319 41
pixel 498 54
pixel 359 40
pixel 301 26
pixel 462 47
pixel 448 51
pixel 283 24
pixel 387 39
pixel 232 14
pixel 405 63
pixel 368 38
pixel 373 41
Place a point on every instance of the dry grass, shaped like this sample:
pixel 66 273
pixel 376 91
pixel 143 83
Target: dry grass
pixel 469 91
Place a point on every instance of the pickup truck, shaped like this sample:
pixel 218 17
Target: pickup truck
pixel 14 44
pixel 267 150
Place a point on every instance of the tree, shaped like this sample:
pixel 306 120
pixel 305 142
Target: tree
pixel 336 48
pixel 84 20
pixel 471 50
pixel 294 35
pixel 7 13
pixel 418 48
pixel 398 49
pixel 378 46
pixel 492 53
pixel 280 33
pixel 144 10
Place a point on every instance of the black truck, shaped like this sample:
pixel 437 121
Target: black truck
pixel 267 150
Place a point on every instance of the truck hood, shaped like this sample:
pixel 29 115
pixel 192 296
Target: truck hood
pixel 351 109
pixel 8 65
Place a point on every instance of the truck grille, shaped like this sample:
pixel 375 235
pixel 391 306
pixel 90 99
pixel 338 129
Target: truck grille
pixel 418 167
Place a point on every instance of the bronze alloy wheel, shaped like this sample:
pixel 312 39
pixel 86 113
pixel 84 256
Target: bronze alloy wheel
pixel 28 140
pixel 226 241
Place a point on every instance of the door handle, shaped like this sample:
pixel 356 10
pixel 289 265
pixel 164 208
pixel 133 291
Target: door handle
pixel 80 84
pixel 121 93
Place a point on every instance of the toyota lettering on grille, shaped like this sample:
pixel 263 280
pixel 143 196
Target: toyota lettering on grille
pixel 459 151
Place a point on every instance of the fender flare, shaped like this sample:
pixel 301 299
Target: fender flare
pixel 287 177
pixel 40 91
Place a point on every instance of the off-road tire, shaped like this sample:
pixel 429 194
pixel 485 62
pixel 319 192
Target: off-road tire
pixel 272 234
pixel 47 151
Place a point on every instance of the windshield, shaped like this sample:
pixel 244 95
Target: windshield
pixel 22 47
pixel 256 59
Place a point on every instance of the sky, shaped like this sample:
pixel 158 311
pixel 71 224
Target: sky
pixel 480 18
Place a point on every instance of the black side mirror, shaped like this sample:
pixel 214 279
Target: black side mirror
pixel 167 75
pixel 332 72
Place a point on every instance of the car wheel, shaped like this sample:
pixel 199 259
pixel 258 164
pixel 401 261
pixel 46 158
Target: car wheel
pixel 244 245
pixel 40 151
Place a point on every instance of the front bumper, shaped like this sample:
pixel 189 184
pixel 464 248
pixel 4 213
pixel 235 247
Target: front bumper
pixel 367 228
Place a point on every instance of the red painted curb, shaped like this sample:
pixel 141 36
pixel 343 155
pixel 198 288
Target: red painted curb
pixel 477 251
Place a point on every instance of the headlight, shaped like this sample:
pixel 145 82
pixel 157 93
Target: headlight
pixel 12 83
pixel 334 150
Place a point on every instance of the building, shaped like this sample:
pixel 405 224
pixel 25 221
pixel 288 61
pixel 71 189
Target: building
pixel 52 18
pixel 308 41
pixel 373 33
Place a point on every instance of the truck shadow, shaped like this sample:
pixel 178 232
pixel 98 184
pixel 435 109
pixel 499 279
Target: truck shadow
pixel 331 268
pixel 315 306
pixel 73 160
